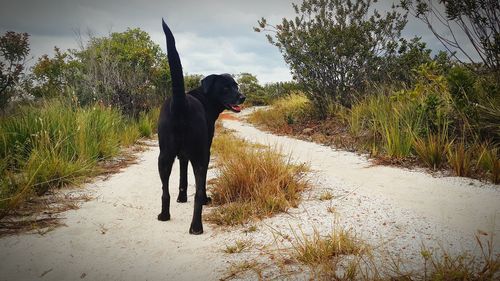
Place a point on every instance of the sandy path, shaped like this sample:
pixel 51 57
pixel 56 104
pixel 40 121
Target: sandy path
pixel 117 236
pixel 460 203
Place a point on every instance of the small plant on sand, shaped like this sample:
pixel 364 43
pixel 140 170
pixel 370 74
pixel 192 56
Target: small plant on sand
pixel 329 257
pixel 325 196
pixel 238 247
pixel 342 256
pixel 252 182
pixel 241 268
pixel 464 266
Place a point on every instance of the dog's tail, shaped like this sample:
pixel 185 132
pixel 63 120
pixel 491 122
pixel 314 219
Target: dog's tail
pixel 178 97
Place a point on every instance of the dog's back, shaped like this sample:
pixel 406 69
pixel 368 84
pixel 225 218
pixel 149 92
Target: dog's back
pixel 181 132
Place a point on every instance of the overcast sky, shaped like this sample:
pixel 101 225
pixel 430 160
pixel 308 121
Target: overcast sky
pixel 213 36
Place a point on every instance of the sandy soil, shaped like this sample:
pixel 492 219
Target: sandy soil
pixel 117 237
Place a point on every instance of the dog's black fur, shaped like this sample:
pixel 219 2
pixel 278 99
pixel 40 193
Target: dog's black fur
pixel 186 128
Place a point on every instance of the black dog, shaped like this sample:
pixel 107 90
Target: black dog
pixel 186 128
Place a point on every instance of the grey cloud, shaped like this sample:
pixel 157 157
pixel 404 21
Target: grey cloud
pixel 223 38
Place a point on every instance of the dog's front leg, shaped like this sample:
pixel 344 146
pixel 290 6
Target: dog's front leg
pixel 183 181
pixel 165 163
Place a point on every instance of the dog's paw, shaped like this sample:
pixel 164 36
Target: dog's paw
pixel 182 198
pixel 207 201
pixel 196 229
pixel 163 217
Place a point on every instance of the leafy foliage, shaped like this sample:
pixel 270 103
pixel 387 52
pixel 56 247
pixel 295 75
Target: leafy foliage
pixel 333 46
pixel 126 69
pixel 192 81
pixel 51 74
pixel 478 19
pixel 14 47
pixel 249 86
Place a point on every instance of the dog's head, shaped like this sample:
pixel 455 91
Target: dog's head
pixel 224 90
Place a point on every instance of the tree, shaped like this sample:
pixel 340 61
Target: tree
pixel 126 69
pixel 479 20
pixel 331 46
pixel 51 74
pixel 401 60
pixel 14 48
pixel 249 86
pixel 192 81
pixel 279 89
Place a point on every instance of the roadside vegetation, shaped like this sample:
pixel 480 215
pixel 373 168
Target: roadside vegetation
pixel 373 91
pixel 253 182
pixel 74 111
pixel 56 143
pixel 341 255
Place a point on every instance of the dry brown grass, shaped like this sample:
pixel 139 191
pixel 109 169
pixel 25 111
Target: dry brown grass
pixel 333 256
pixel 242 268
pixel 340 255
pixel 326 196
pixel 238 246
pixel 252 182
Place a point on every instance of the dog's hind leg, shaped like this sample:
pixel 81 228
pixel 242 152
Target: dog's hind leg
pixel 200 173
pixel 183 180
pixel 165 163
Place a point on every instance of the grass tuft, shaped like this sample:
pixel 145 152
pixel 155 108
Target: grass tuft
pixel 460 159
pixel 325 196
pixel 432 149
pixel 238 247
pixel 316 250
pixel 252 182
pixel 464 266
pixel 489 161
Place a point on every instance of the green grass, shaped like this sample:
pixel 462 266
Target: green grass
pixel 286 111
pixel 410 127
pixel 56 143
pixel 432 149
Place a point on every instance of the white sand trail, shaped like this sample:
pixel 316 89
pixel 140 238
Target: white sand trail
pixel 117 237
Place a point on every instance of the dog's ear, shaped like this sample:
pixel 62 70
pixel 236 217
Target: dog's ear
pixel 207 82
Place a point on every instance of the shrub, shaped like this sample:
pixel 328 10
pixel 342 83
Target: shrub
pixel 334 47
